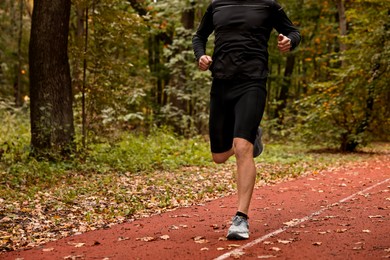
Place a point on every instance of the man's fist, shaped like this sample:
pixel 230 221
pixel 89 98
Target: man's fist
pixel 284 43
pixel 204 62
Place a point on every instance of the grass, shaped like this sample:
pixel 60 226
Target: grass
pixel 133 177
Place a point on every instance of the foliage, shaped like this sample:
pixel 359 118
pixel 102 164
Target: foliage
pixel 14 132
pixel 189 86
pixel 351 107
pixel 117 71
pixel 326 101
pixel 15 32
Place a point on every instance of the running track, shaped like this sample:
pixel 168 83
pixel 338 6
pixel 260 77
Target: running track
pixel 339 214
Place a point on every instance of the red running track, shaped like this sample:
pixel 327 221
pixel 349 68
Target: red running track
pixel 340 214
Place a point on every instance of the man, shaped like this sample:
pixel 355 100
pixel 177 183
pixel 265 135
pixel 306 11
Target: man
pixel 239 67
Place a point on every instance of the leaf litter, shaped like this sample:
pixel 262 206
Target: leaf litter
pixel 89 201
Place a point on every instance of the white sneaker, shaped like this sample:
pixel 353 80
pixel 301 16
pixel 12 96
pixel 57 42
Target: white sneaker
pixel 239 229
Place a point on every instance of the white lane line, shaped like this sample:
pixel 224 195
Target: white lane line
pixel 294 223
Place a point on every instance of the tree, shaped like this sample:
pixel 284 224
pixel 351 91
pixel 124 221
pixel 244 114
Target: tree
pixel 52 129
pixel 350 108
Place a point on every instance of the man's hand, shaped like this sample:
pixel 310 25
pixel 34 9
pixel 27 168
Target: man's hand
pixel 284 43
pixel 204 62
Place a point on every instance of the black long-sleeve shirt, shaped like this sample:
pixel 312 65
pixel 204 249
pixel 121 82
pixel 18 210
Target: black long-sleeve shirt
pixel 242 29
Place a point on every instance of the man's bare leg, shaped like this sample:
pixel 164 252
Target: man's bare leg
pixel 246 173
pixel 246 170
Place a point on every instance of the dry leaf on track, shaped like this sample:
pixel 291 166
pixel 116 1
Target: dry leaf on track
pixel 284 242
pixel 200 240
pixel 165 237
pixel 146 239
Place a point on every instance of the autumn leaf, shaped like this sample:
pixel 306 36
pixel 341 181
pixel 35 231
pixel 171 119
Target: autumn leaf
pixel 77 244
pixel 377 216
pixel 146 239
pixel 284 242
pixel 164 237
pixel 123 238
pixel 200 240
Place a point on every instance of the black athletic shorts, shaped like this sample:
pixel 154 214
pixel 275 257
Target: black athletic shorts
pixel 236 109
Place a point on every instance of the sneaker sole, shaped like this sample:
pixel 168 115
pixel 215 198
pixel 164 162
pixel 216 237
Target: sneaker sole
pixel 235 236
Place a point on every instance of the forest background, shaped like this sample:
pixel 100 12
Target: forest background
pixel 112 86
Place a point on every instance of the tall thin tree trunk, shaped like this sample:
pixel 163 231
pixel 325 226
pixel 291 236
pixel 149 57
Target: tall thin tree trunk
pixel 342 25
pixel 286 83
pixel 18 87
pixel 52 129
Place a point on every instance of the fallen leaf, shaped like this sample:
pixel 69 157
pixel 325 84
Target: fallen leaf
pixel 200 240
pixel 74 257
pixel 214 226
pixel 146 239
pixel 366 231
pixel 123 238
pixel 284 242
pixel 47 249
pixel 237 254
pixel 204 249
pixel 173 227
pixel 317 243
pixel 267 243
pixel 220 248
pixel 291 222
pixel 76 244
pixel 276 249
pixel 164 237
pixel 377 216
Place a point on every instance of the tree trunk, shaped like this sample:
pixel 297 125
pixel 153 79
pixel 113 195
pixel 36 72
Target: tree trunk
pixel 18 82
pixel 342 25
pixel 52 129
pixel 283 95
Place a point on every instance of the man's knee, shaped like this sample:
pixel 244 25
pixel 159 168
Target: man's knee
pixel 242 147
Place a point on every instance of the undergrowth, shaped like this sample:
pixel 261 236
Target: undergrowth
pixel 133 175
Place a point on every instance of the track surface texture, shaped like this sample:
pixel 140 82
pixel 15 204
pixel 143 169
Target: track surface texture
pixel 335 214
